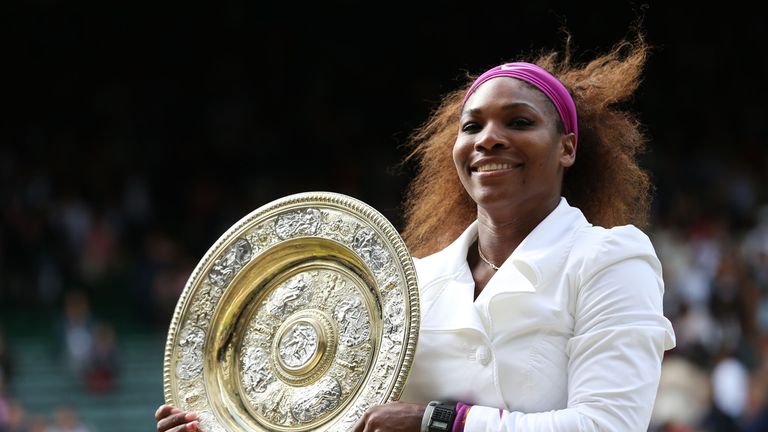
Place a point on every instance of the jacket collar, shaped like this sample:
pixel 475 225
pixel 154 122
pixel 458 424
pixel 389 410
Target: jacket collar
pixel 535 259
pixel 450 262
pixel 540 255
pixel 446 287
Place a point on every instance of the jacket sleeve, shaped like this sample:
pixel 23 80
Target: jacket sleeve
pixel 615 353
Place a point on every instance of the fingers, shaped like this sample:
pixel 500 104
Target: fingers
pixel 391 417
pixel 187 427
pixel 359 426
pixel 165 410
pixel 365 423
pixel 176 420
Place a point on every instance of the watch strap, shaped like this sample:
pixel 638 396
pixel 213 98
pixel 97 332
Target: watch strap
pixel 428 415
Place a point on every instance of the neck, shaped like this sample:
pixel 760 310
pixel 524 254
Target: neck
pixel 501 232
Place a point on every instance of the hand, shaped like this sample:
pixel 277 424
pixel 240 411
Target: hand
pixel 171 419
pixel 392 417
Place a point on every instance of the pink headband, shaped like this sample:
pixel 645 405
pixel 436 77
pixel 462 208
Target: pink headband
pixel 541 79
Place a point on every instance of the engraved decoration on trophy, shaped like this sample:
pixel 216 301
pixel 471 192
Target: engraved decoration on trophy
pixel 303 315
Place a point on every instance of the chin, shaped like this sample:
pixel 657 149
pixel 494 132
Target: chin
pixel 491 199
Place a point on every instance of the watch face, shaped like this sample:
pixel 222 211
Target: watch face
pixel 300 317
pixel 442 418
pixel 438 425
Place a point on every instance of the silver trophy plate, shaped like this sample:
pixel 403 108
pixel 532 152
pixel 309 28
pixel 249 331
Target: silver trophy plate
pixel 303 315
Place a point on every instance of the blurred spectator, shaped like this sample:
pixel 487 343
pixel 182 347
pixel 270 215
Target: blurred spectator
pixel 38 424
pixel 3 412
pixel 756 412
pixel 74 217
pixel 15 417
pixel 66 420
pixel 167 287
pixel 674 427
pixel 6 363
pixel 102 370
pixel 158 278
pixel 730 389
pixel 755 250
pixel 77 331
pixel 683 398
pixel 98 250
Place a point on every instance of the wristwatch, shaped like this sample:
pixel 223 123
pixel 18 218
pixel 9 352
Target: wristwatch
pixel 438 417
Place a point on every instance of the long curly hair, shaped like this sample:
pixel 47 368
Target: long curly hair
pixel 606 182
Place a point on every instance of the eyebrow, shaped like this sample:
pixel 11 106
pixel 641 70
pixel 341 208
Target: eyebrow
pixel 506 107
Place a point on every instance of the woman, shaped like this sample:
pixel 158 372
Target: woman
pixel 541 309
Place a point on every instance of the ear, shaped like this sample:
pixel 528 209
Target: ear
pixel 568 150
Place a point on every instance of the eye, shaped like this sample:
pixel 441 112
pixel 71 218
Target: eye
pixel 470 127
pixel 520 122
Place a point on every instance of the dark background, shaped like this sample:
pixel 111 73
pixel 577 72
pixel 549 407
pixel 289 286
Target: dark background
pixel 259 100
pixel 136 133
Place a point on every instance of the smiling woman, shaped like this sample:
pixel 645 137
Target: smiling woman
pixel 541 307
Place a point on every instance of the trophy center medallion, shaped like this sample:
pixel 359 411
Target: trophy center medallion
pixel 299 347
pixel 304 347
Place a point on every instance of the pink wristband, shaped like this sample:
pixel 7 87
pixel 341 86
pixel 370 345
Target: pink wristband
pixel 462 411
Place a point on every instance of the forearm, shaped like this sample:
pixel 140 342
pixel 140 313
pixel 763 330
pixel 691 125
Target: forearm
pixel 487 419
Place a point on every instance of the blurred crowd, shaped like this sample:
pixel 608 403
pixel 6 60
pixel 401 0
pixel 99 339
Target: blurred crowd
pixel 87 266
pixel 90 265
pixel 14 418
pixel 85 348
pixel 710 230
pixel 717 299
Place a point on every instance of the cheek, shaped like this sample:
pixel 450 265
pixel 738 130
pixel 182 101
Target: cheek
pixel 456 155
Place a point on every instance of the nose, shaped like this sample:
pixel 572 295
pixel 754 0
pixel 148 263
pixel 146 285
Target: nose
pixel 491 137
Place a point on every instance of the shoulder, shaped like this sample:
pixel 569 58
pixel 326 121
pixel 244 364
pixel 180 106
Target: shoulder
pixel 596 248
pixel 617 282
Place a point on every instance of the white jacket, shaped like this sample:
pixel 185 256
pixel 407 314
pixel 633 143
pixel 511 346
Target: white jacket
pixel 568 335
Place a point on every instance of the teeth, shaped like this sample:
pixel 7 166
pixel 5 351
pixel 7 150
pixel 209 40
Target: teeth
pixel 494 167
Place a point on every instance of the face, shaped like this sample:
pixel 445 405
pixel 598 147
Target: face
pixel 509 152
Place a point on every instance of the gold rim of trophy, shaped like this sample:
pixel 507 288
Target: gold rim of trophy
pixel 300 317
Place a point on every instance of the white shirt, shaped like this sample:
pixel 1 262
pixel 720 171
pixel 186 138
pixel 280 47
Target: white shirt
pixel 568 334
